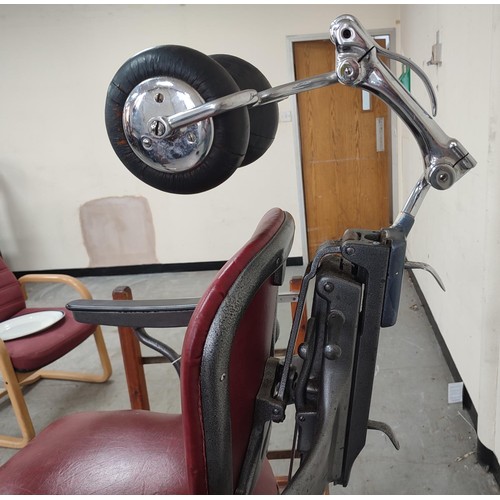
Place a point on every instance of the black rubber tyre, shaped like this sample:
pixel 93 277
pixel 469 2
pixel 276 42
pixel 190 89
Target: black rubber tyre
pixel 263 119
pixel 210 80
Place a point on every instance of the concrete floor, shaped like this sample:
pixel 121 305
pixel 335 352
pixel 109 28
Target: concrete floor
pixel 438 442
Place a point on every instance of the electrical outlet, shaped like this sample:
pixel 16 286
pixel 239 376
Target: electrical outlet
pixel 455 392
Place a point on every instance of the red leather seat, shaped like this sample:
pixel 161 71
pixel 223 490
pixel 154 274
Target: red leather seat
pixel 145 449
pixel 202 451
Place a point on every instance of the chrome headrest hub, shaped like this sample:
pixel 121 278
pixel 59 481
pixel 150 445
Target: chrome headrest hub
pixel 145 123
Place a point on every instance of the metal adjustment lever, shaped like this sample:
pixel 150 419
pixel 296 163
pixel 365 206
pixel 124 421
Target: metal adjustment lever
pixel 425 79
pixel 327 248
pixel 428 268
pixel 386 429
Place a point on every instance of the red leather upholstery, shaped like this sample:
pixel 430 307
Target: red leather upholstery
pixel 129 452
pixel 251 348
pixel 140 452
pixel 36 351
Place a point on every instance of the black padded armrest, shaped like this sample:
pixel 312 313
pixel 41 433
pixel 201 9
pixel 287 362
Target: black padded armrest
pixel 134 313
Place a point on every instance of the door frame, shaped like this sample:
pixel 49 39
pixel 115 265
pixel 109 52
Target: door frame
pixel 291 39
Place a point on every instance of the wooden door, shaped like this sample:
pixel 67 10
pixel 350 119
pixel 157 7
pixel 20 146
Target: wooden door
pixel 345 169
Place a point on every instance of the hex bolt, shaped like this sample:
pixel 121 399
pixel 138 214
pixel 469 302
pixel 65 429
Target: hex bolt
pixel 350 251
pixel 348 71
pixel 441 176
pixel 328 286
pixel 346 33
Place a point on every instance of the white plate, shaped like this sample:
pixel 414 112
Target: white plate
pixel 28 324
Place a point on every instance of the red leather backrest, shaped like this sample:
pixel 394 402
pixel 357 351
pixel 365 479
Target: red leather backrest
pixel 250 350
pixel 11 295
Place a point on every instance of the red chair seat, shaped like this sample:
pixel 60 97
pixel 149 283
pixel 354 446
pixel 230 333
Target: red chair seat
pixel 36 351
pixel 133 452
pixel 206 449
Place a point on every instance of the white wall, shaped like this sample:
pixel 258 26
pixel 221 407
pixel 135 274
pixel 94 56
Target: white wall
pixel 56 62
pixel 458 231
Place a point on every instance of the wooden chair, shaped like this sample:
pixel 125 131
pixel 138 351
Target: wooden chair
pixel 225 358
pixel 22 359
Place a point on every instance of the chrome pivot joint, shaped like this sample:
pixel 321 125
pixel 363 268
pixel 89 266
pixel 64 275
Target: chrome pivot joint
pixel 358 65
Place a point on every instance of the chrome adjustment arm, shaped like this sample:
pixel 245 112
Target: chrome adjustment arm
pixel 445 159
pixel 165 125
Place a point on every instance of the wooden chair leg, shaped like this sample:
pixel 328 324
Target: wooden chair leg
pixel 107 370
pixel 13 390
pixel 81 376
pixel 15 381
pixel 132 359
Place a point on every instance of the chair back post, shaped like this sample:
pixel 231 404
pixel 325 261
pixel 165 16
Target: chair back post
pixel 267 265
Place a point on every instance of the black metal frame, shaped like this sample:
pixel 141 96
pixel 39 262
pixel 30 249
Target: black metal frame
pixel 216 403
pixel 334 388
pixel 357 288
pixel 357 282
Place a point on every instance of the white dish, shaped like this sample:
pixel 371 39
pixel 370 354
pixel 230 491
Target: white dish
pixel 27 324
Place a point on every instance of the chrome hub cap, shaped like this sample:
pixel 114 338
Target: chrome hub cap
pixel 147 131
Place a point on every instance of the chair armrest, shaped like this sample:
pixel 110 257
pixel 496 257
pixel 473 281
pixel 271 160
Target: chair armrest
pixel 55 278
pixel 134 313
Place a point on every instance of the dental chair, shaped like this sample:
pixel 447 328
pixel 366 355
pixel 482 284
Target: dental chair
pixel 226 362
pixel 184 122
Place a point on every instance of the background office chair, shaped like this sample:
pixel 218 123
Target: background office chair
pixel 229 340
pixel 21 359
